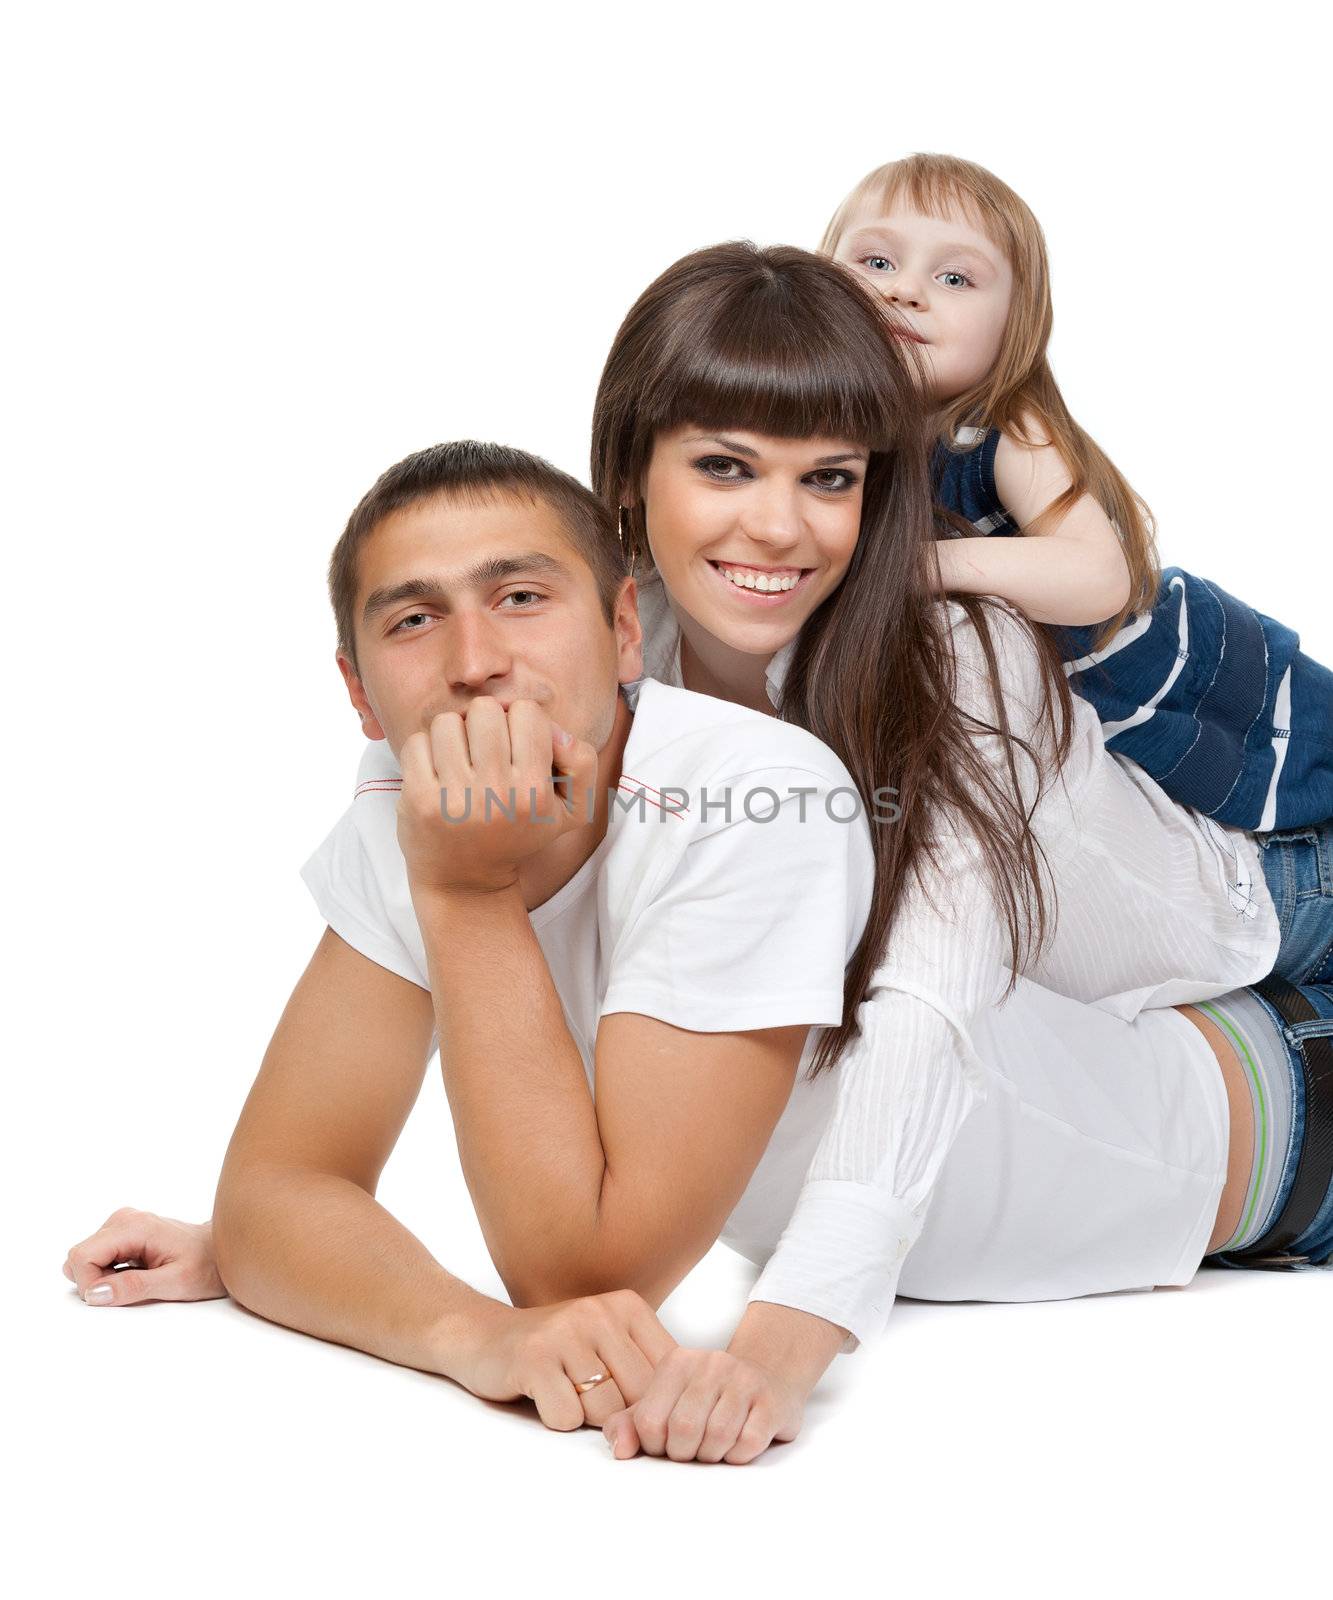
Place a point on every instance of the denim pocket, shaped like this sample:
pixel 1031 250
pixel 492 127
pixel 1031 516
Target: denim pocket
pixel 1298 869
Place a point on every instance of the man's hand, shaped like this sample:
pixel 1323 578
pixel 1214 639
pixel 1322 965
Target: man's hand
pixel 168 1260
pixel 707 1405
pixel 498 771
pixel 543 1351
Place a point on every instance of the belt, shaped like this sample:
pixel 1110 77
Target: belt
pixel 1314 1167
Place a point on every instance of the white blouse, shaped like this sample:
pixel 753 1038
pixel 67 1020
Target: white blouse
pixel 1155 905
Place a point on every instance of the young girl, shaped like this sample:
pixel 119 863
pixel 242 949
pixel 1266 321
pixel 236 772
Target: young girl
pixel 1215 700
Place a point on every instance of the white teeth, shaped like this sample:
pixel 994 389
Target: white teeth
pixel 760 581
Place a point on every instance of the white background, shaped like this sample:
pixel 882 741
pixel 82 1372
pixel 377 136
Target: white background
pixel 257 253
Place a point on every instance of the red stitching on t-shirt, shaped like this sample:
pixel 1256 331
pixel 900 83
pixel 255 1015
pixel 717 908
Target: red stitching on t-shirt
pixel 669 811
pixel 680 806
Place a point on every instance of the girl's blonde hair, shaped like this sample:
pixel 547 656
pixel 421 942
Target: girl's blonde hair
pixel 1020 388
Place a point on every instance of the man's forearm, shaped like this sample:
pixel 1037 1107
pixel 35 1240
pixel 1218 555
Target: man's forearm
pixel 315 1252
pixel 524 1117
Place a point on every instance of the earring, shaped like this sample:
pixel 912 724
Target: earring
pixel 626 535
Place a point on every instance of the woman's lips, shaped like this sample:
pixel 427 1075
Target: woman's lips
pixel 760 597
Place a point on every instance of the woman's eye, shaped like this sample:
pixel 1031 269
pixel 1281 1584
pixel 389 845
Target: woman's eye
pixel 878 263
pixel 961 277
pixel 709 465
pixel 842 480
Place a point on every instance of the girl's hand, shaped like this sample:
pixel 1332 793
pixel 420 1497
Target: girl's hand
pixel 708 1405
pixel 542 1351
pixel 168 1260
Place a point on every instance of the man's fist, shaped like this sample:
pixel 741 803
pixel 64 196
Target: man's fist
pixel 168 1260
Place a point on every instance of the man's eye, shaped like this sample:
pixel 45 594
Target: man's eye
pixel 530 595
pixel 402 626
pixel 708 465
pixel 877 263
pixel 962 278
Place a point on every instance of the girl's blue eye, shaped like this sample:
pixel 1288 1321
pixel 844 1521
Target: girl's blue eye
pixel 884 263
pixel 961 276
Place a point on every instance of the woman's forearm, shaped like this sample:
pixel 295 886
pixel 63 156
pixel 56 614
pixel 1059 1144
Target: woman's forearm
pixel 793 1344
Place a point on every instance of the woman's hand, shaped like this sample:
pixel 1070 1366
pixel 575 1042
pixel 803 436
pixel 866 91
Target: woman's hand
pixel 708 1405
pixel 168 1260
pixel 542 1351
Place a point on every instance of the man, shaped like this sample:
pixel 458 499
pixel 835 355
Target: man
pixel 640 905
pixel 484 629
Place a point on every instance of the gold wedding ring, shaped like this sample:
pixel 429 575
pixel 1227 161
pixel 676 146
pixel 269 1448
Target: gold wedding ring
pixel 591 1383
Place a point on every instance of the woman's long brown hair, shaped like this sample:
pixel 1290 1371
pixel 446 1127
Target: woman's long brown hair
pixel 787 343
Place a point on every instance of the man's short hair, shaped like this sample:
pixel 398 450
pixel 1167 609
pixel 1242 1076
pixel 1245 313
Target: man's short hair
pixel 469 469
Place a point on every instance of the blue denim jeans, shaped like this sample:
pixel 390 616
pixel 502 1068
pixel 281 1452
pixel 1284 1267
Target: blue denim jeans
pixel 1315 1245
pixel 1298 868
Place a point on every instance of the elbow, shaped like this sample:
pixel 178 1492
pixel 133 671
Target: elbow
pixel 1098 596
pixel 228 1236
pixel 1118 588
pixel 1110 592
pixel 242 1215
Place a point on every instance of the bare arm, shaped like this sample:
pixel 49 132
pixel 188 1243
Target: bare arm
pixel 1075 574
pixel 299 1236
pixel 578 1196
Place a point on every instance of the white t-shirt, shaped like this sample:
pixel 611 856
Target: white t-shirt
pixel 1157 906
pixel 680 913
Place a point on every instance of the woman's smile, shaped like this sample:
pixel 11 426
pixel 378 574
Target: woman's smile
pixel 760 586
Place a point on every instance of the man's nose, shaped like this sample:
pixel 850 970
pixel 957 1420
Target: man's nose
pixel 475 652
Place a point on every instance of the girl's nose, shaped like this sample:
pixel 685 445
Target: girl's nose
pixel 904 291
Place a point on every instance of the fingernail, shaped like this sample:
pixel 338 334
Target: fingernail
pixel 98 1296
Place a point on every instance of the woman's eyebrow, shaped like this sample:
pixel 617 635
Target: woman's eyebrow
pixel 737 448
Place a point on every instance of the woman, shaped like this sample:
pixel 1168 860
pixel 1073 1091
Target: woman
pixel 755 424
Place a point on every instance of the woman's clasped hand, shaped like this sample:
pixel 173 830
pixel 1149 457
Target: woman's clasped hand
pixel 707 1405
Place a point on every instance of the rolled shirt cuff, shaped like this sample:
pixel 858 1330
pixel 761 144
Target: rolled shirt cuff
pixel 840 1257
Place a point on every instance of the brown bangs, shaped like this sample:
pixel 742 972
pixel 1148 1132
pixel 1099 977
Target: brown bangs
pixel 776 340
pixel 757 357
